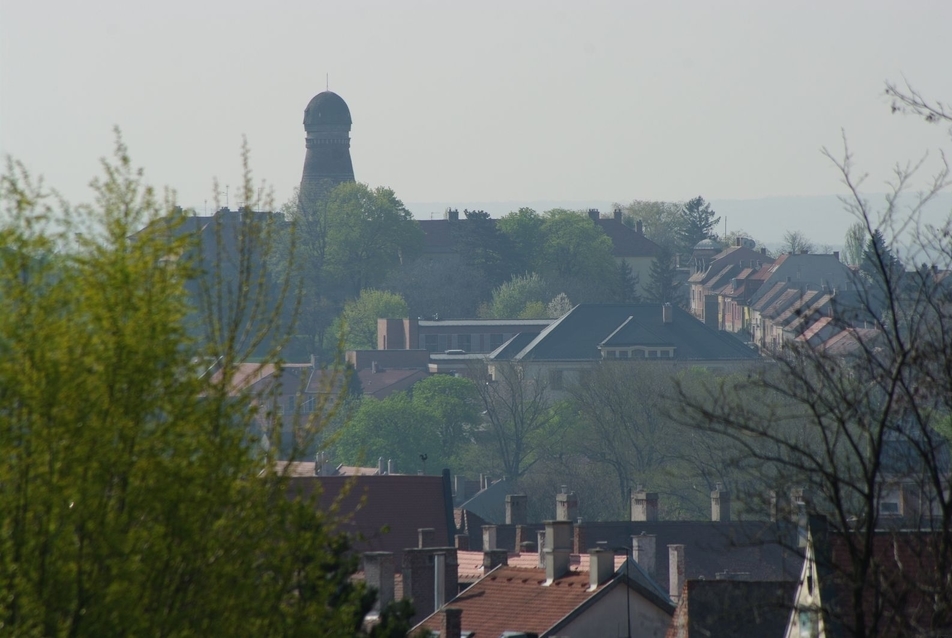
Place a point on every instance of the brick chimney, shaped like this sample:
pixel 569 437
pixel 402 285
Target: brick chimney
pixel 451 214
pixel 420 577
pixel 516 509
pixel 452 625
pixel 601 567
pixel 541 548
pixel 378 574
pixel 593 214
pixel 667 313
pixel 675 571
pixel 493 558
pixel 566 505
pixel 616 214
pixel 462 542
pixel 644 505
pixel 720 504
pixel 639 227
pixel 644 549
pixel 558 547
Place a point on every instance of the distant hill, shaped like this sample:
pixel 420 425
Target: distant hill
pixel 821 218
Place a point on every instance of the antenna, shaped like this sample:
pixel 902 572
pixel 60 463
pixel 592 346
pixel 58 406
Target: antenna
pixel 327 81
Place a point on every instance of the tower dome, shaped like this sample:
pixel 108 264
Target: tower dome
pixel 326 108
pixel 327 162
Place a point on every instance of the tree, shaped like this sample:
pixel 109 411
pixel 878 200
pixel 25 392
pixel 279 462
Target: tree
pixel 360 315
pixel 518 413
pixel 523 228
pixel 577 257
pixel 854 244
pixel 795 243
pixel 483 248
pixel 512 299
pixel 132 498
pixel 696 222
pixel 661 221
pixel 663 286
pixel 393 428
pixel 559 305
pixel 456 404
pixel 862 432
pixel 438 287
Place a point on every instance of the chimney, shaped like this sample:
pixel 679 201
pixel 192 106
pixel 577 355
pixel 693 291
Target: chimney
pixel 644 551
pixel 675 571
pixel 720 504
pixel 738 241
pixel 420 567
pixel 516 509
pixel 374 367
pixel 617 215
pixel 541 547
pixel 426 537
pixel 566 505
pixel 836 254
pixel 452 214
pixel 381 467
pixel 493 558
pixel 593 214
pixel 391 466
pixel 489 537
pixel 462 542
pixel 378 573
pixel 667 313
pixel 773 506
pixel 763 251
pixel 644 505
pixel 601 567
pixel 452 623
pixel 558 547
pixel 639 227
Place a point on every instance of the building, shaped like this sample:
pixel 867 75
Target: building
pixel 327 162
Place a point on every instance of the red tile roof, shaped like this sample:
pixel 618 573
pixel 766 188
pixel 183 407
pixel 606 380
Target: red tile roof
pixel 515 599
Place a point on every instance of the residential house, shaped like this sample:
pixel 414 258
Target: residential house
pixel 555 600
pixel 590 333
pixel 720 286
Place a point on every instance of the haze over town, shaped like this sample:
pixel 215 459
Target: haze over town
pixel 486 106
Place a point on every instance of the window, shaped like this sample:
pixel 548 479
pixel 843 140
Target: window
pixel 625 354
pixel 809 623
pixel 431 343
pixel 464 342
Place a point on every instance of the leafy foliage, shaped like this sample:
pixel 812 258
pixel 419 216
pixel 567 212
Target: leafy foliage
pixel 360 316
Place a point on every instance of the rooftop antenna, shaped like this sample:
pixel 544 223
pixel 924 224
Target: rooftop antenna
pixel 327 81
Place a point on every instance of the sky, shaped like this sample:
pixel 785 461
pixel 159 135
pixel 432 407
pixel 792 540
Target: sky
pixel 490 101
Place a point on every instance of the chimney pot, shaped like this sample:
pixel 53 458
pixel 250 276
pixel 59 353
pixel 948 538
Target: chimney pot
pixel 489 537
pixel 381 467
pixel 391 466
pixel 593 214
pixel 667 313
pixel 617 214
pixel 639 227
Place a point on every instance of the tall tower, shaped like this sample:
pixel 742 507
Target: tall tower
pixel 327 163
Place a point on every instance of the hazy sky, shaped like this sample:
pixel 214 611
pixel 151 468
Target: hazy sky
pixel 477 101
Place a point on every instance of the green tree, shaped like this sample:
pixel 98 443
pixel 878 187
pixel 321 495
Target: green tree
pixel 663 285
pixel 660 221
pixel 795 243
pixel 132 500
pixel 512 299
pixel 524 230
pixel 456 404
pixel 697 222
pixel 483 248
pixel 393 428
pixel 577 257
pixel 360 316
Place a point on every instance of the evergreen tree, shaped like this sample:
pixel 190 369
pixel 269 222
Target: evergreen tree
pixel 663 286
pixel 697 222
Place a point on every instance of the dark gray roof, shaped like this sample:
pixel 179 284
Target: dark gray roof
pixel 579 333
pixel 738 609
pixel 514 346
pixel 326 108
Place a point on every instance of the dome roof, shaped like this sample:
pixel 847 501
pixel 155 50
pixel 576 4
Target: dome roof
pixel 707 244
pixel 326 108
